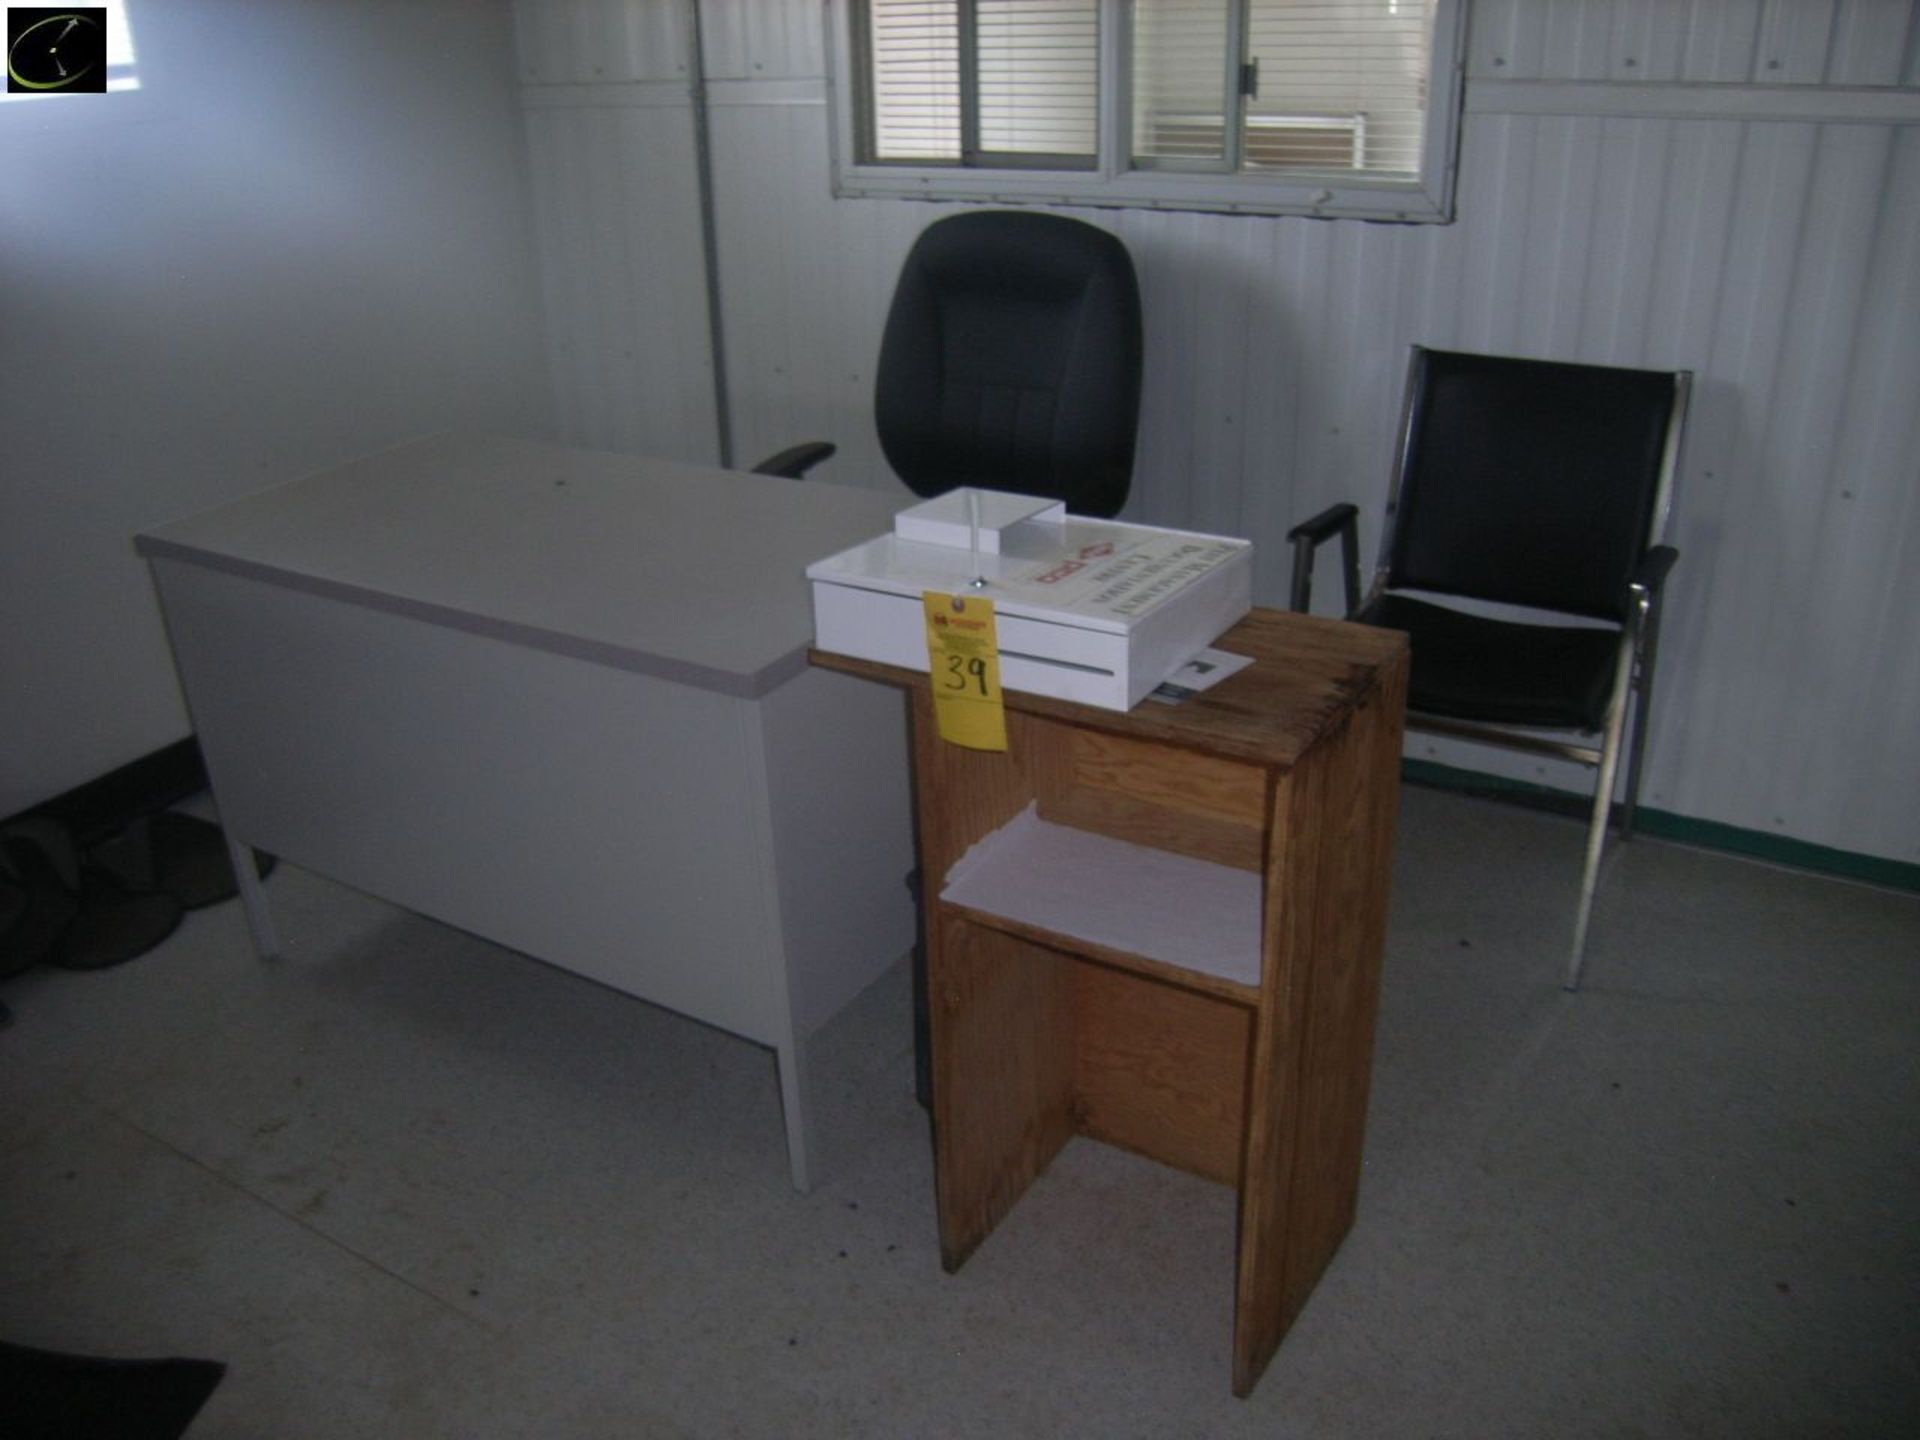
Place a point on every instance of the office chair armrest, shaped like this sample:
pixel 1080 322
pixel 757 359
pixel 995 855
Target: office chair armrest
pixel 794 461
pixel 1342 520
pixel 1651 573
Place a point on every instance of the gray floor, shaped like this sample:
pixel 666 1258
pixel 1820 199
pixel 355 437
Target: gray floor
pixel 408 1184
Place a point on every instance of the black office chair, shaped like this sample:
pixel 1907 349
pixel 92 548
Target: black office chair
pixel 1538 485
pixel 1010 361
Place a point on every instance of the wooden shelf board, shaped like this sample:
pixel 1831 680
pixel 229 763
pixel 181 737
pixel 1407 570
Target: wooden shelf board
pixel 1180 919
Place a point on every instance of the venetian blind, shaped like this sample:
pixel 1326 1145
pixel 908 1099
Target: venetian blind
pixel 1039 77
pixel 983 81
pixel 913 76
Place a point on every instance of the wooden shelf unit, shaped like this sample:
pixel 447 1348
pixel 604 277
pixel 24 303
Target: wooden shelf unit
pixel 1049 1022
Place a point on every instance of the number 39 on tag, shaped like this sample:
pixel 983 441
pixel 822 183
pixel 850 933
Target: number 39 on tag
pixel 963 656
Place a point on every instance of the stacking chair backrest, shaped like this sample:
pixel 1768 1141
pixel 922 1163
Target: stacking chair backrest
pixel 1529 482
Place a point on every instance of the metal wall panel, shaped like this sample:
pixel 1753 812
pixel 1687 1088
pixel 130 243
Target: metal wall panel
pixel 583 42
pixel 1754 42
pixel 1776 257
pixel 806 281
pixel 616 201
pixel 607 97
pixel 755 40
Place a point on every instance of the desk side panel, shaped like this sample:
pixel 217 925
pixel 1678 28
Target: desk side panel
pixel 833 751
pixel 1003 1061
pixel 1361 805
pixel 595 818
pixel 1312 1065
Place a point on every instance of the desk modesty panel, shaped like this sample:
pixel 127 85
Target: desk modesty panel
pixel 559 699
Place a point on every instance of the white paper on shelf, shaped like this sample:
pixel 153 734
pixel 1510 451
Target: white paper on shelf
pixel 1172 908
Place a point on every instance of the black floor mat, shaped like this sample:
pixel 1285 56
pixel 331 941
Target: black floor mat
pixel 118 900
pixel 182 855
pixel 47 1396
pixel 191 863
pixel 37 905
pixel 114 923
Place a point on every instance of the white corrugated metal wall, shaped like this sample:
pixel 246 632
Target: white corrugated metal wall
pixel 1730 186
pixel 612 145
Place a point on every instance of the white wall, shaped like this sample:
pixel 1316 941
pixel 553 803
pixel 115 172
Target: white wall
pixel 1731 186
pixel 308 236
pixel 606 92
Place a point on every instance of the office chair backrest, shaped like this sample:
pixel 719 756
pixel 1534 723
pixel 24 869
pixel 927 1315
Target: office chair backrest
pixel 1529 482
pixel 1011 360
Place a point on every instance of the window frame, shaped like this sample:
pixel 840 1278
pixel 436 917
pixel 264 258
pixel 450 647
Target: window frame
pixel 1115 182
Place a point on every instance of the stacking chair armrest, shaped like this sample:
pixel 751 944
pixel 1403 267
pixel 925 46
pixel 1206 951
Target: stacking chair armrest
pixel 1651 573
pixel 794 461
pixel 1309 535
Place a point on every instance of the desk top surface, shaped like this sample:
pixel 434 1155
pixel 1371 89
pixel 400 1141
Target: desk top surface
pixel 1309 675
pixel 685 571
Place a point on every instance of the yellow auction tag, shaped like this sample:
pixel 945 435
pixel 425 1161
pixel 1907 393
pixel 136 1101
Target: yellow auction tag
pixel 963 654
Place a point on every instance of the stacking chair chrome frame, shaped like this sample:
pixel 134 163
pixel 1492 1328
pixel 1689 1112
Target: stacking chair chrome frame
pixel 1636 614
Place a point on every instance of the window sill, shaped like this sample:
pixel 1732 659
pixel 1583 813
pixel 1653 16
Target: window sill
pixel 1323 197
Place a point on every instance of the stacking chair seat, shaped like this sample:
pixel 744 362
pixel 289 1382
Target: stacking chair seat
pixel 1469 667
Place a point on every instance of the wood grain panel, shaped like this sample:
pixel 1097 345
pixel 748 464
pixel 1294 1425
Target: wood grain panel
pixel 1001 1022
pixel 1217 986
pixel 1002 1074
pixel 1308 673
pixel 964 794
pixel 1313 1043
pixel 1273 1096
pixel 1160 1070
pixel 1181 801
pixel 1336 1061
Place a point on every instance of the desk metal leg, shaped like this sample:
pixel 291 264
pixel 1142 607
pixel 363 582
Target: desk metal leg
pixel 793 1103
pixel 253 898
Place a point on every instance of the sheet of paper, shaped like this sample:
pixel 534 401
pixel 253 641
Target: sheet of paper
pixel 1202 672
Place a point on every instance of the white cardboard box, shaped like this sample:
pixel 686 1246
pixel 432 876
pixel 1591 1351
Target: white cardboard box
pixel 1089 610
pixel 967 517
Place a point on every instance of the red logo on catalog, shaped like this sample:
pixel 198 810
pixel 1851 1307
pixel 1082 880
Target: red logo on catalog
pixel 1079 562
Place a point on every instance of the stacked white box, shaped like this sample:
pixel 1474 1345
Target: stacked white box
pixel 1089 610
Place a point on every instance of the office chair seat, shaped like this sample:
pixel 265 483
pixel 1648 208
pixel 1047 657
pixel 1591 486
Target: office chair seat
pixel 1468 667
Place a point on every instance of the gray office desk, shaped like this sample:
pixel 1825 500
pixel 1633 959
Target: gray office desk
pixel 559 699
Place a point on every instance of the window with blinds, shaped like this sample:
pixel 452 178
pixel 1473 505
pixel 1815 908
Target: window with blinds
pixel 1326 107
pixel 983 82
pixel 1039 68
pixel 913 79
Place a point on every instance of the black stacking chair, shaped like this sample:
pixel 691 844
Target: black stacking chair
pixel 1541 489
pixel 1010 361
